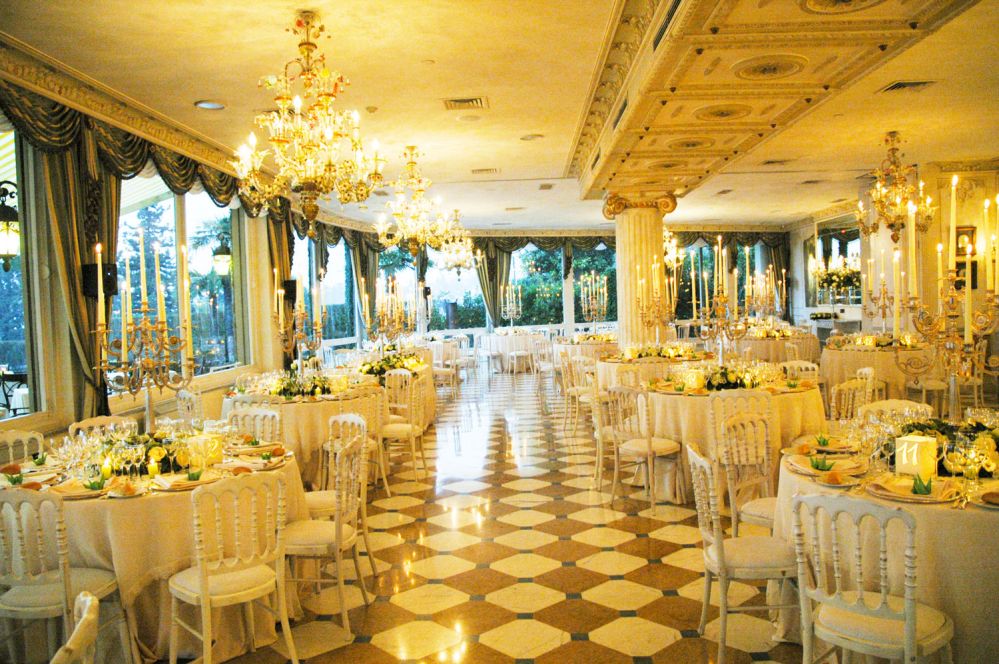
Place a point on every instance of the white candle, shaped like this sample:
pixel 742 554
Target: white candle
pixel 897 300
pixel 911 227
pixel 275 290
pixel 317 305
pixel 189 330
pixel 735 298
pixel 187 319
pixel 123 290
pixel 281 310
pixel 300 293
pixel 100 290
pixel 952 249
pixel 882 266
pixel 126 306
pixel 142 267
pixel 870 273
pixel 985 254
pixel 940 281
pixel 160 309
pixel 968 303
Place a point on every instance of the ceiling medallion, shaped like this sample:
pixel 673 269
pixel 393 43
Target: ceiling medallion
pixel 769 67
pixel 317 148
pixel 837 6
pixel 722 112
pixel 691 144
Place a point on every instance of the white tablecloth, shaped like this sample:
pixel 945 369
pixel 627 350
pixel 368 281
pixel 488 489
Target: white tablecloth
pixel 596 350
pixel 608 372
pixel 504 344
pixel 956 556
pixel 838 366
pixel 144 541
pixel 774 350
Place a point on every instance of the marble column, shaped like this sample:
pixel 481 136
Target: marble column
pixel 639 240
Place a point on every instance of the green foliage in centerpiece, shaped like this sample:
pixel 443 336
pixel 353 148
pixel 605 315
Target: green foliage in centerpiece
pixel 729 378
pixel 95 485
pixel 292 385
pixel 409 361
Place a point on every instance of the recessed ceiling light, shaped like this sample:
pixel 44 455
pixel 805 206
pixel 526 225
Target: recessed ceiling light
pixel 469 118
pixel 209 105
pixel 531 137
pixel 546 186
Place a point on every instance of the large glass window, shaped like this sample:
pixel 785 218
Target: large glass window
pixel 539 275
pixel 456 297
pixel 600 262
pixel 338 294
pixel 15 359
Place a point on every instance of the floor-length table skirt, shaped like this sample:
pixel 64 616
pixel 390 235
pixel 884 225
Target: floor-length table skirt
pixel 648 368
pixel 841 365
pixel 775 350
pixel 146 540
pixel 593 349
pixel 956 557
pixel 504 344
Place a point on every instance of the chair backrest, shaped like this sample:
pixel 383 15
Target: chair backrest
pixel 400 392
pixel 238 523
pixel 829 536
pixel 791 351
pixel 348 447
pixel 629 375
pixel 746 353
pixel 895 406
pixel 581 368
pixel 16 445
pixel 34 548
pixel 81 646
pixel 744 452
pixel 846 398
pixel 724 404
pixel 541 349
pixel 261 423
pixel 627 412
pixel 702 476
pixel 803 369
pixel 249 400
pixel 101 424
pixel 188 405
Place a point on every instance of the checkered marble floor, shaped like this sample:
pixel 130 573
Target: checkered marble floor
pixel 507 552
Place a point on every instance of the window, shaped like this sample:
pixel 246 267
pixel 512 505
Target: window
pixel 539 275
pixel 600 261
pixel 703 259
pixel 338 294
pixel 16 379
pixel 456 297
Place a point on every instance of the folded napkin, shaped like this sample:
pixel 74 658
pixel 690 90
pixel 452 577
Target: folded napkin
pixel 991 497
pixel 251 449
pixel 945 490
pixel 178 481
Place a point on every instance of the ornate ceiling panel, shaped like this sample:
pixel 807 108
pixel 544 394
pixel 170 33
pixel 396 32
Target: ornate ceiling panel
pixel 689 88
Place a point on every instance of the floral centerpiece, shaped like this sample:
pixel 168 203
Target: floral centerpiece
pixel 409 361
pixel 959 442
pixel 292 385
pixel 730 378
pixel 840 278
pixel 676 351
pixel 593 338
pixel 867 341
pixel 766 332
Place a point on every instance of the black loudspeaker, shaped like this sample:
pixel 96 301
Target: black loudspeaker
pixel 290 288
pixel 426 292
pixel 90 280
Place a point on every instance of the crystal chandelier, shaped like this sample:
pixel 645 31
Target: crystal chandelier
pixel 416 219
pixel 459 253
pixel 896 186
pixel 317 148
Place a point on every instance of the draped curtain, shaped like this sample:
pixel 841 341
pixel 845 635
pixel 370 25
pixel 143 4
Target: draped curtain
pixel 780 258
pixel 364 249
pixel 281 247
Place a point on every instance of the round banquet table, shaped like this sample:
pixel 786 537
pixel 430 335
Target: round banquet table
pixel 146 540
pixel 956 559
pixel 649 368
pixel 594 349
pixel 504 344
pixel 775 350
pixel 841 365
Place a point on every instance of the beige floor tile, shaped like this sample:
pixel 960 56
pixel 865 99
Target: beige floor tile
pixel 603 537
pixel 416 640
pixel 524 639
pixel 429 598
pixel 622 595
pixel 441 567
pixel 525 565
pixel 523 518
pixel 525 597
pixel 610 563
pixel 635 636
pixel 526 540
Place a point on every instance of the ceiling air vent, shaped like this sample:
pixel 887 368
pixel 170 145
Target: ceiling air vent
pixel 620 113
pixel 912 86
pixel 775 162
pixel 723 192
pixel 811 181
pixel 546 186
pixel 485 171
pixel 503 223
pixel 466 103
pixel 661 32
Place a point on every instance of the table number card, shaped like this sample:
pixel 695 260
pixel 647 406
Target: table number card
pixel 916 455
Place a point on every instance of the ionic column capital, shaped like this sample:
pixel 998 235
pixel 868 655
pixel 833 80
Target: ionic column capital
pixel 615 204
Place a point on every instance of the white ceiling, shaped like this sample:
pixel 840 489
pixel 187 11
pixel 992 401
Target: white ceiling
pixel 536 62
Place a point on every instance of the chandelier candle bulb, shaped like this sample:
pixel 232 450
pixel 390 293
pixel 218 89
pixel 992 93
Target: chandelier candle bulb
pixel 952 238
pixel 735 300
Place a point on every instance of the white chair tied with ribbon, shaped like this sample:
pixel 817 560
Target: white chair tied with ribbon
pixel 261 423
pixel 16 445
pixel 239 549
pixel 847 551
pixel 81 646
pixel 746 558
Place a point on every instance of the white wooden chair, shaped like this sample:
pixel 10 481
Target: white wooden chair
pixel 239 551
pixel 446 367
pixel 16 445
pixel 35 573
pixel 875 408
pixel 725 404
pixel 744 455
pixel 579 381
pixel 261 423
pixel 81 645
pixel 541 360
pixel 841 603
pixel 405 401
pixel 484 350
pixel 326 540
pixel 101 424
pixel 249 400
pixel 467 359
pixel 322 503
pixel 791 351
pixel 846 398
pixel 520 360
pixel 746 558
pixel 976 380
pixel 879 389
pixel 634 442
pixel 188 405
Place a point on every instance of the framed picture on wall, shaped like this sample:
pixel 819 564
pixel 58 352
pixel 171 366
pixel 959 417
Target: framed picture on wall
pixel 963 268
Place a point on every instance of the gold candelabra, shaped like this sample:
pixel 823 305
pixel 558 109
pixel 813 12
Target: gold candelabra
pixel 299 335
pixel 511 305
pixel 393 317
pixel 879 306
pixel 593 297
pixel 719 323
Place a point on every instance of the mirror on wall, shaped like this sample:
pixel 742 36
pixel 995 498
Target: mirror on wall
pixel 836 278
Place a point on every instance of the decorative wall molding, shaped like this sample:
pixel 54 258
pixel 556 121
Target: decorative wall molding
pixel 24 66
pixel 967 166
pixel 546 232
pixel 825 214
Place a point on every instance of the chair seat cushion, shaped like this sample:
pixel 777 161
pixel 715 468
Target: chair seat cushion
pixel 394 419
pixel 313 537
pixel 759 509
pixel 320 503
pixel 890 632
pixel 98 582
pixel 640 446
pixel 400 430
pixel 518 353
pixel 188 582
pixel 753 552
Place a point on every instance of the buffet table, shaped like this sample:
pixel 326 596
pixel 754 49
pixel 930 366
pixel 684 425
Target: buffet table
pixel 504 344
pixel 774 349
pixel 147 539
pixel 839 365
pixel 956 557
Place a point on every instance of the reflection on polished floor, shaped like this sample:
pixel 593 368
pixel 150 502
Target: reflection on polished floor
pixel 507 553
